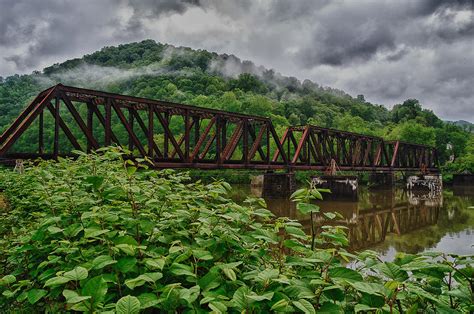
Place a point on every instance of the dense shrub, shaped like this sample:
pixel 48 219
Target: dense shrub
pixel 97 235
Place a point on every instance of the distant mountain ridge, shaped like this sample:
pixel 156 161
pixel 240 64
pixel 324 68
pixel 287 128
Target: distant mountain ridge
pixel 221 81
pixel 466 125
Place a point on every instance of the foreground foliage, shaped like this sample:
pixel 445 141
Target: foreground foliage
pixel 96 235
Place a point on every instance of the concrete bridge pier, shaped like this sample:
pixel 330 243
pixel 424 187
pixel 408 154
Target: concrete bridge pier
pixel 463 179
pixel 343 188
pixel 432 183
pixel 382 180
pixel 275 185
pixel 463 184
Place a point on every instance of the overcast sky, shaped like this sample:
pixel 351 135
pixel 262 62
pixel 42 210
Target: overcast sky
pixel 387 50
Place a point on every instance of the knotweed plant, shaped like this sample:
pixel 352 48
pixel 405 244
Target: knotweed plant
pixel 101 234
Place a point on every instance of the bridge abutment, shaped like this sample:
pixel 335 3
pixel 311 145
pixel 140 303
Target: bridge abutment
pixel 382 180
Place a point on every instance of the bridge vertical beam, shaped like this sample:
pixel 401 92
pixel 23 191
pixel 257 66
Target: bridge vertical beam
pixel 196 130
pixel 56 128
pixel 224 133
pixel 268 143
pixel 246 141
pixel 187 130
pixel 394 156
pixel 219 139
pixel 166 136
pixel 131 122
pixel 90 124
pixel 41 133
pixel 150 132
pixel 338 150
pixel 108 122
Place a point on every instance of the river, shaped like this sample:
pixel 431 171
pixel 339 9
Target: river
pixel 395 220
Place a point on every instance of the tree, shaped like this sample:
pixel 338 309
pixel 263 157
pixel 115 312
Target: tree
pixel 413 132
pixel 248 83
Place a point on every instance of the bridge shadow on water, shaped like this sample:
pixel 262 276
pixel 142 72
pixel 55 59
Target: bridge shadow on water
pixel 394 219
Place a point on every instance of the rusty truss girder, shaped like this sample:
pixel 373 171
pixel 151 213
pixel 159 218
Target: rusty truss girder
pixel 316 147
pixel 181 136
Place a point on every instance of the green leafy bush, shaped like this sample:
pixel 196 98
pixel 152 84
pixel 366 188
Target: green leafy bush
pixel 96 235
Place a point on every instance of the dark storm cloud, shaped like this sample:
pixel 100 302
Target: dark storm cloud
pixel 337 46
pixel 157 7
pixel 426 7
pixel 387 50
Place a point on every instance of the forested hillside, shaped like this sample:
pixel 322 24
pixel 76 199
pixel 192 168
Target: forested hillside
pixel 198 77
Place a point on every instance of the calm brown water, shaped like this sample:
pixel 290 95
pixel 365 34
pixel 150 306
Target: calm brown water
pixel 390 221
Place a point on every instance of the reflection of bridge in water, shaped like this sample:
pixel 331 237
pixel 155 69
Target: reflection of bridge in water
pixel 374 217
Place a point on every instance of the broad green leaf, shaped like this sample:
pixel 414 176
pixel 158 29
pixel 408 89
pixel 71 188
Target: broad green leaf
pixel 55 281
pixel 305 306
pixel 96 288
pixel 182 270
pixel 334 292
pixel 363 308
pixel 372 300
pixel 95 181
pixel 330 308
pixel 366 287
pixel 239 298
pixel 316 194
pixel 229 272
pixel 126 248
pixel 210 281
pixel 256 297
pixel 296 232
pixel 345 273
pixel 34 295
pixel 126 264
pixel 158 263
pixel 54 229
pixel 190 295
pixel 94 232
pixel 339 238
pixel 202 255
pixel 306 208
pixel 78 273
pixel 73 297
pixel 218 307
pixel 140 280
pixel 393 271
pixel 126 240
pixel 148 300
pixel 329 215
pixel 131 170
pixel 423 293
pixel 128 305
pixel 102 261
pixel 324 190
pixel 6 280
pixel 266 235
pixel 266 275
pixel 280 305
pixel 298 194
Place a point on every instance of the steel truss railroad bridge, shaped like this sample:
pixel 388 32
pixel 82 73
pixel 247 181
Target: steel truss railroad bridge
pixel 181 136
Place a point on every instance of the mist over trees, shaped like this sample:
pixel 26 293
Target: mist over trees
pixel 198 77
